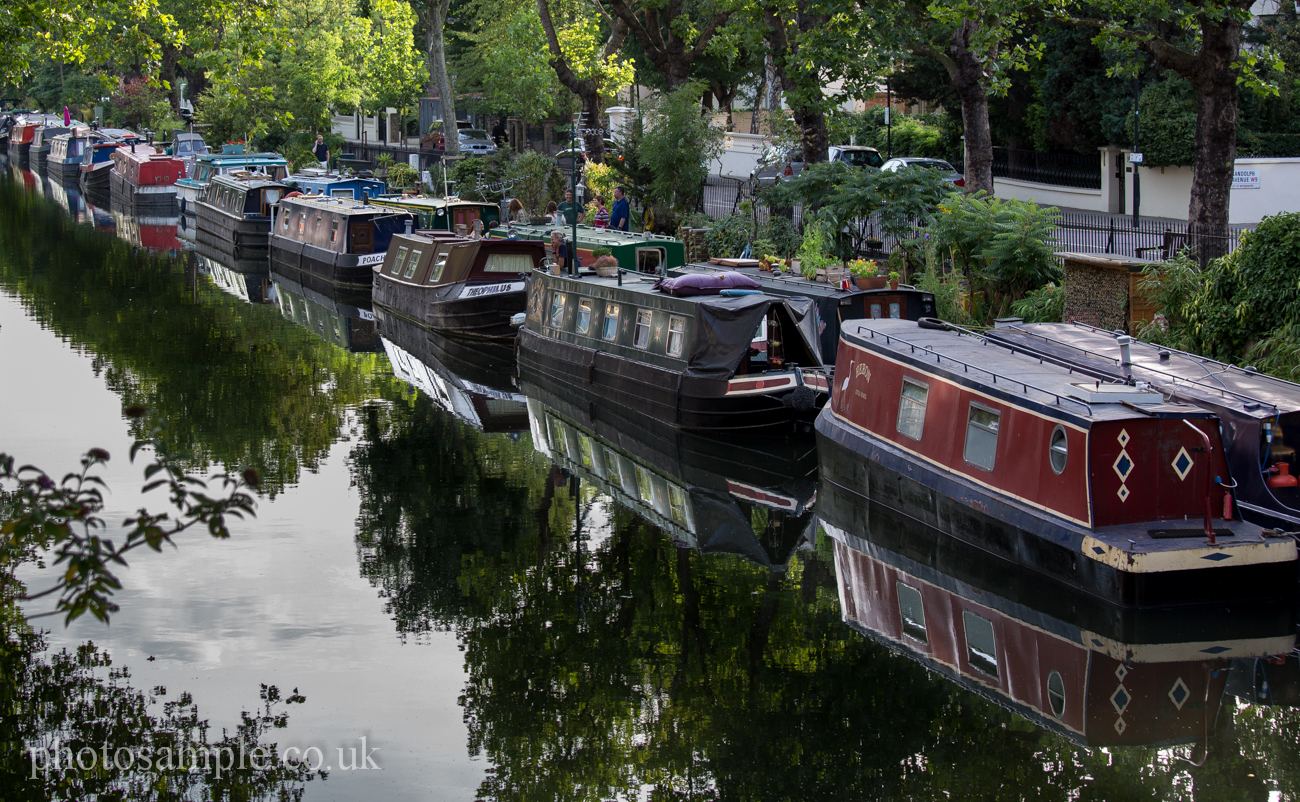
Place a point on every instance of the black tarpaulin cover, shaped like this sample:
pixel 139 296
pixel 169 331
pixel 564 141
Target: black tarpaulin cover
pixel 725 327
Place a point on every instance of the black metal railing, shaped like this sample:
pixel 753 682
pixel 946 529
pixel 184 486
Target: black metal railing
pixel 1058 169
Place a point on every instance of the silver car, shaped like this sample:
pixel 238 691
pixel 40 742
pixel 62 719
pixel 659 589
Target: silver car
pixel 949 172
pixel 476 142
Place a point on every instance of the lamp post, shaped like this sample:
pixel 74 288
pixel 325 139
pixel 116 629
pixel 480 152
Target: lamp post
pixel 1137 179
pixel 576 132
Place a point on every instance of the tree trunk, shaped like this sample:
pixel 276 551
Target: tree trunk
pixel 773 91
pixel 171 56
pixel 435 19
pixel 654 27
pixel 1215 81
pixel 811 120
pixel 815 139
pixel 591 116
pixel 971 83
pixel 758 101
pixel 587 89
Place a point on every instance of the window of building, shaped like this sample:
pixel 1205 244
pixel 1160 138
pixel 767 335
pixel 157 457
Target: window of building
pixel 610 330
pixel 641 339
pixel 400 260
pixel 911 408
pixel 413 262
pixel 911 609
pixel 584 316
pixel 981 436
pixel 981 647
pixel 508 263
pixel 1058 451
pixel 676 335
pixel 557 310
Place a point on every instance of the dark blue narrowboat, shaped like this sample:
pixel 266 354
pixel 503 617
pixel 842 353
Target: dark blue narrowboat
pixel 336 185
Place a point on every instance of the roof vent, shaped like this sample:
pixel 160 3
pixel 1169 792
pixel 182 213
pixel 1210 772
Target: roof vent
pixel 1098 393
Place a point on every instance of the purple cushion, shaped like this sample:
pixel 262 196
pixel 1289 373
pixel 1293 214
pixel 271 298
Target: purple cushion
pixel 707 284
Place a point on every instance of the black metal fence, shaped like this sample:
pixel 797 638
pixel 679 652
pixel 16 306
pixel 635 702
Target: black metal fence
pixel 1059 169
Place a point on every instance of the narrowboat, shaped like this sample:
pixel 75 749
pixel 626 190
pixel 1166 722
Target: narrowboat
pixel 144 179
pixel 67 151
pixel 313 181
pixel 690 362
pixel 705 494
pixel 1259 414
pixel 235 210
pixel 155 233
pixel 452 215
pixel 472 381
pixel 252 287
pixel 1097 675
pixel 642 253
pixel 42 142
pixel 1106 487
pixel 343 319
pixel 97 159
pixel 271 166
pixel 456 286
pixel 333 240
pixel 833 303
pixel 188 148
pixel 24 133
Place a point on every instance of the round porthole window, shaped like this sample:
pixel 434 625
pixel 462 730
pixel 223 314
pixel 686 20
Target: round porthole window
pixel 1056 693
pixel 1058 450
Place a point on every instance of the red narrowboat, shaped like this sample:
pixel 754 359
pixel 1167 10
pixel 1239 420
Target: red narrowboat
pixel 20 139
pixel 144 178
pixel 1163 684
pixel 1104 486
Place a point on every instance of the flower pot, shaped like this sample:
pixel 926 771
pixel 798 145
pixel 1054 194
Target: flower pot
pixel 871 282
pixel 893 285
pixel 875 244
pixel 765 265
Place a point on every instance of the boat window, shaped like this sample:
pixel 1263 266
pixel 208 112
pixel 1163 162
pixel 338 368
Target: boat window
pixel 272 197
pixel 400 260
pixel 439 264
pixel 508 263
pixel 334 230
pixel 316 225
pixel 341 193
pixel 610 330
pixel 641 339
pixel 981 436
pixel 912 610
pixel 981 648
pixel 302 221
pixel 584 316
pixel 1058 450
pixel 286 215
pixel 677 504
pixel 911 408
pixel 584 451
pixel 413 262
pixel 644 488
pixel 676 335
pixel 557 310
pixel 1056 693
pixel 648 260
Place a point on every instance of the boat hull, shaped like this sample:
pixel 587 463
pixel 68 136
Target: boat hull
pixel 1175 572
pixel 95 184
pixel 486 315
pixel 153 200
pixel 19 152
pixel 657 393
pixel 63 171
pixel 220 229
pixel 301 261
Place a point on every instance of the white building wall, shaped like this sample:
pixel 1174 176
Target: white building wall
pixel 1264 187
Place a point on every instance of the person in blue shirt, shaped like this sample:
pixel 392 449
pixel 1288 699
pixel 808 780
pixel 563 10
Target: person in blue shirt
pixel 618 216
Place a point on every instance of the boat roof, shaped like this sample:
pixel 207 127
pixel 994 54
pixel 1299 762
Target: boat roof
pixel 142 154
pixel 316 176
pixel 242 158
pixel 1200 378
pixel 788 284
pixel 975 361
pixel 179 136
pixel 116 133
pixel 432 203
pixel 246 180
pixel 603 237
pixel 346 206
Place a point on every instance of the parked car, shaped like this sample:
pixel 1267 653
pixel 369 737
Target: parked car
pixel 476 142
pixel 856 156
pixel 564 159
pixel 908 162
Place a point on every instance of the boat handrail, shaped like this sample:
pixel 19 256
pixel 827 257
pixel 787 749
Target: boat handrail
pixel 966 366
pixel 1174 378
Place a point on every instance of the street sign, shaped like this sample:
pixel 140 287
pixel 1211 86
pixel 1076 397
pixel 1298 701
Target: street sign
pixel 1245 179
pixel 1135 158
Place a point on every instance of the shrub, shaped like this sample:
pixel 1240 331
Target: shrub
pixel 533 174
pixel 600 179
pixel 783 236
pixel 728 236
pixel 403 175
pixel 1043 305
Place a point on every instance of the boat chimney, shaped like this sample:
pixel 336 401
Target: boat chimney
pixel 1125 358
pixel 408 225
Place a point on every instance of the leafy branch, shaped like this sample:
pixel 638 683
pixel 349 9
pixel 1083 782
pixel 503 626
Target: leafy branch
pixel 41 514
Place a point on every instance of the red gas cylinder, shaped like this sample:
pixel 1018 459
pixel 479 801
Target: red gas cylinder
pixel 1281 476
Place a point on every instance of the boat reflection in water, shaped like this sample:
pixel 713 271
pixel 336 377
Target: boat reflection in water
pixel 157 234
pixel 756 500
pixel 471 380
pixel 1100 674
pixel 253 288
pixel 341 318
pixel 69 198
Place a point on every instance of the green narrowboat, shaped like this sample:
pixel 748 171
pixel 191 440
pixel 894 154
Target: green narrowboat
pixel 644 253
pixel 444 214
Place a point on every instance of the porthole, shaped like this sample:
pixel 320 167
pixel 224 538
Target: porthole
pixel 1056 693
pixel 1059 449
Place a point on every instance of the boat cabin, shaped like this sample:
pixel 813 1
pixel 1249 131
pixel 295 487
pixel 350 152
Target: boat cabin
pixel 103 141
pixel 419 260
pixel 337 225
pixel 145 166
pixel 44 136
pixel 272 166
pixel 313 181
pixel 187 147
pixel 452 215
pixel 243 195
pixel 643 253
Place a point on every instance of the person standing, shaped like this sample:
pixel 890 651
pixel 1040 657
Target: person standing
pixel 602 214
pixel 554 216
pixel 515 212
pixel 619 217
pixel 569 208
pixel 322 152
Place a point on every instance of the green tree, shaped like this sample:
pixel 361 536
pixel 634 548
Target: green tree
pixel 393 71
pixel 507 64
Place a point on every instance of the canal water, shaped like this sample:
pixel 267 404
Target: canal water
pixel 513 598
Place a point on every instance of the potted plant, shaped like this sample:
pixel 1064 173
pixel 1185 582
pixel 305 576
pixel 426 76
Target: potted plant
pixel 865 276
pixel 893 279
